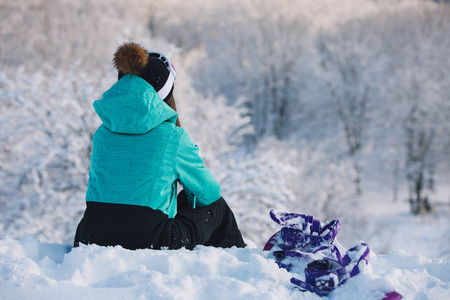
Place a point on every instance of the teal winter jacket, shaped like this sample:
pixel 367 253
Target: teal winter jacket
pixel 139 153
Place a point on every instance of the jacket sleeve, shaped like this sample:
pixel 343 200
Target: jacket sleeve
pixel 200 185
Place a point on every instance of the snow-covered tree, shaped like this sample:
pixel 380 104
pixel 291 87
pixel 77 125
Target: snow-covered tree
pixel 415 98
pixel 274 124
pixel 255 50
pixel 47 127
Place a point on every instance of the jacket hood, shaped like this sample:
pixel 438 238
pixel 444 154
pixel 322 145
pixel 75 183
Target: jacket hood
pixel 132 106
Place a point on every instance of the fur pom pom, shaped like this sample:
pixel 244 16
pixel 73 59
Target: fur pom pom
pixel 130 58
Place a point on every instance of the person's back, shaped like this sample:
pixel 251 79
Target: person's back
pixel 139 154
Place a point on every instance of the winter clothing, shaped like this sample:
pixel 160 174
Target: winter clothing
pixel 138 157
pixel 139 154
pixel 135 227
pixel 153 67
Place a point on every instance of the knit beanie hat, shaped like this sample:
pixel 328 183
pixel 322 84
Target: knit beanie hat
pixel 153 67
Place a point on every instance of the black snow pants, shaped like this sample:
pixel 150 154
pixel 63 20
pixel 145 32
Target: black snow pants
pixel 138 227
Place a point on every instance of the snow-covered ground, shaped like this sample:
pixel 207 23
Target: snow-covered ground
pixel 30 269
pixel 410 255
pixel 397 228
pixel 391 226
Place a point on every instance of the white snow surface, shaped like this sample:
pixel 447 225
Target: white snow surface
pixel 30 269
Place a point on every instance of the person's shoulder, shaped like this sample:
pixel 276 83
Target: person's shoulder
pixel 101 131
pixel 172 128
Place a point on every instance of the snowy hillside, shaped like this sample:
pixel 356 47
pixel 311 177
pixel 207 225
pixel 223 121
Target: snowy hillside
pixel 33 270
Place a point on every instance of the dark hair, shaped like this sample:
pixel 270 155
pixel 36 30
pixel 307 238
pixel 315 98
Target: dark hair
pixel 171 102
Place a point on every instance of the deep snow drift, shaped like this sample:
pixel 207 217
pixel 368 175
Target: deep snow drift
pixel 30 269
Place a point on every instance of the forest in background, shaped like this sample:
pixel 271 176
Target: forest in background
pixel 299 105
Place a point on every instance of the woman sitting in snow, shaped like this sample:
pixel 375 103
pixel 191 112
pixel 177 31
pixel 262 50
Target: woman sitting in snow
pixel 139 154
